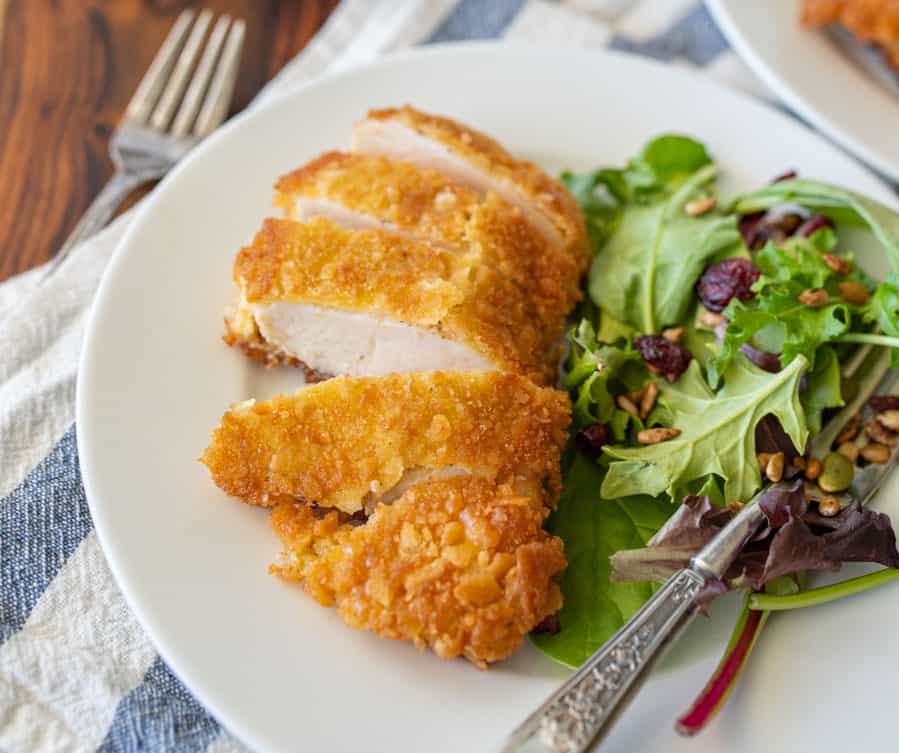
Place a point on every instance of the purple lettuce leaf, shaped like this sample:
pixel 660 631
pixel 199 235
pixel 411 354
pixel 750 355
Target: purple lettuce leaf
pixel 793 549
pixel 794 539
pixel 860 535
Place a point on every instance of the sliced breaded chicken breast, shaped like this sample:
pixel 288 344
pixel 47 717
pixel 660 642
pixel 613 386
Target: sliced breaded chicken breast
pixel 474 159
pixel 350 443
pixel 371 302
pixel 460 565
pixel 366 191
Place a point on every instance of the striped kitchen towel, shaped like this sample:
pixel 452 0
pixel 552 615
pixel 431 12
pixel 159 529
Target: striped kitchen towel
pixel 76 671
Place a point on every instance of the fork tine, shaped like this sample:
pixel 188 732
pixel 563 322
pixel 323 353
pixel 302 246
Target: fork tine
pixel 144 99
pixel 171 95
pixel 200 81
pixel 215 108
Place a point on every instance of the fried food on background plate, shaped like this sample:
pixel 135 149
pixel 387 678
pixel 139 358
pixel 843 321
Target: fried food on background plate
pixel 874 21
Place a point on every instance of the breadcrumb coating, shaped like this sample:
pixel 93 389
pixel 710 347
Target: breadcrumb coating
pixel 462 566
pixel 389 275
pixel 429 205
pixel 546 194
pixel 875 21
pixel 336 442
pixel 371 270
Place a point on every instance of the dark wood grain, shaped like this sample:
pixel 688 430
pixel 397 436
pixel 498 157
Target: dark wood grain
pixel 67 71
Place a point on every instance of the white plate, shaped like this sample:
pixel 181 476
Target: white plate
pixel 278 670
pixel 814 77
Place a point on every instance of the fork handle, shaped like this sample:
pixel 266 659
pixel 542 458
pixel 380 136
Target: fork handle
pixel 102 208
pixel 576 716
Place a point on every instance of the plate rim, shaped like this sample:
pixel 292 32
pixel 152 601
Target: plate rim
pixel 198 687
pixel 874 159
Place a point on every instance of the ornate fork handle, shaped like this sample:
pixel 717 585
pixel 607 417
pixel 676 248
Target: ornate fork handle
pixel 579 713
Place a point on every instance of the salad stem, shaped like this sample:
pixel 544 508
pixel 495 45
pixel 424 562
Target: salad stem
pixel 869 338
pixel 815 596
pixel 718 688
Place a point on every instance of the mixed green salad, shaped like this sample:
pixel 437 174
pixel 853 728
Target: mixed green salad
pixel 711 348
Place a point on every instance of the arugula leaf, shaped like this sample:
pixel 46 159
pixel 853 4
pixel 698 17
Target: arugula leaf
pixel 883 310
pixel 611 330
pixel 602 194
pixel 775 319
pixel 597 193
pixel 645 273
pixel 822 390
pixel 790 327
pixel 636 220
pixel 589 368
pixel 673 157
pixel 837 203
pixel 717 432
pixel 593 529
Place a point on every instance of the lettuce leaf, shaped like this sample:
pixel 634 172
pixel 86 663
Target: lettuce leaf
pixel 778 322
pixel 645 272
pixel 822 389
pixel 649 251
pixel 593 529
pixel 590 367
pixel 717 433
pixel 882 310
pixel 795 539
pixel 837 203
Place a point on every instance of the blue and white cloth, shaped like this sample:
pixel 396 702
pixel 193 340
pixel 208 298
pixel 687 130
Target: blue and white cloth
pixel 77 673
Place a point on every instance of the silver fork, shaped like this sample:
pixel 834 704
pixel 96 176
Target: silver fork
pixel 169 113
pixel 576 717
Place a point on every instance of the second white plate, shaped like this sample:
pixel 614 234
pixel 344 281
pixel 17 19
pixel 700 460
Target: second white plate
pixel 815 78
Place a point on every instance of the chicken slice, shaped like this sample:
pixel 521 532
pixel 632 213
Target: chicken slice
pixel 460 565
pixel 369 302
pixel 349 442
pixel 366 191
pixel 474 159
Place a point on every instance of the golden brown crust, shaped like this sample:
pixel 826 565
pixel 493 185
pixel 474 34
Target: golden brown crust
pixel 334 442
pixel 386 274
pixel 462 566
pixel 874 21
pixel 429 205
pixel 545 193
pixel 369 270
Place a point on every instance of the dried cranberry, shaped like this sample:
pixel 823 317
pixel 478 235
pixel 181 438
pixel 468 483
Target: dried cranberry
pixel 788 175
pixel 728 279
pixel 814 223
pixel 549 625
pixel 880 403
pixel 750 225
pixel 774 225
pixel 663 356
pixel 591 439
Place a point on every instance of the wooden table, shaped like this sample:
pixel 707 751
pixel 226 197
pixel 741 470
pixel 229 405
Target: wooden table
pixel 67 71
